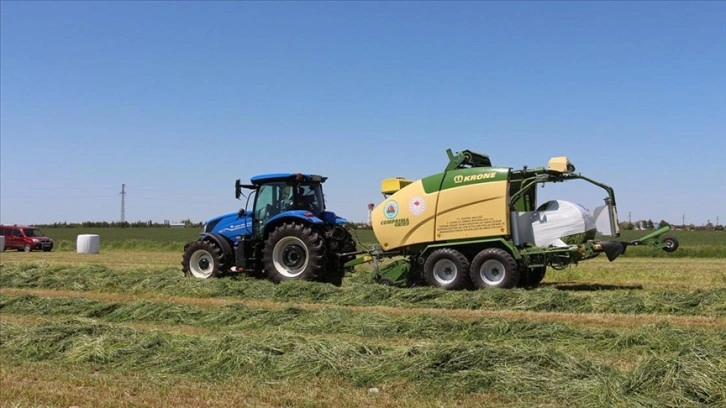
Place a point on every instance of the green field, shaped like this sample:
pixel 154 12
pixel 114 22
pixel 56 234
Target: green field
pixel 693 243
pixel 125 238
pixel 124 328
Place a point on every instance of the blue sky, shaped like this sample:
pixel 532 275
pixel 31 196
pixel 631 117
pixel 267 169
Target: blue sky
pixel 178 99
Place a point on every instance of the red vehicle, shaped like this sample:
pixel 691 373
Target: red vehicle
pixel 25 238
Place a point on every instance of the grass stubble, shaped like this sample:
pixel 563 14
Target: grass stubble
pixel 89 334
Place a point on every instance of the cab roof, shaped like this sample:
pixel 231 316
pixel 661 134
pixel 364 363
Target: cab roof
pixel 273 177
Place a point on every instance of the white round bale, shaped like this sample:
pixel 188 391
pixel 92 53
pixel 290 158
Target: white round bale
pixel 88 244
pixel 557 219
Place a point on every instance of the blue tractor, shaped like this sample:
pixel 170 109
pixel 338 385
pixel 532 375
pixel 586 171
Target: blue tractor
pixel 287 235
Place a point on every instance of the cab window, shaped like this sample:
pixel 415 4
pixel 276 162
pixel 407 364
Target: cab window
pixel 270 200
pixel 310 198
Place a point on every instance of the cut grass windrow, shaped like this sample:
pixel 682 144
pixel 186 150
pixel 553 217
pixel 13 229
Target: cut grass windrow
pixel 710 302
pixel 341 321
pixel 575 319
pixel 691 375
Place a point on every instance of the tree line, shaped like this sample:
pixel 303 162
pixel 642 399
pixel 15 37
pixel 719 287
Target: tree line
pixel 650 225
pixel 121 224
pixel 625 226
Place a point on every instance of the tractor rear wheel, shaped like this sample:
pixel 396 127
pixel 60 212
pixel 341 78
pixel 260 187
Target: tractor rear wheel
pixel 294 251
pixel 447 268
pixel 203 260
pixel 494 268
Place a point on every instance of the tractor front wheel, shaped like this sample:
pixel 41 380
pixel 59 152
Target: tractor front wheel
pixel 203 260
pixel 494 268
pixel 447 268
pixel 294 251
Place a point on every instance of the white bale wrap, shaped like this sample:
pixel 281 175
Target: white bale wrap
pixel 554 221
pixel 88 244
pixel 602 221
pixel 2 243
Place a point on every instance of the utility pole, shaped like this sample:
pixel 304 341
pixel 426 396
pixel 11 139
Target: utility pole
pixel 123 202
pixel 684 221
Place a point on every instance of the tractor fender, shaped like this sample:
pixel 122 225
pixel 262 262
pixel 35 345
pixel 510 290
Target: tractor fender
pixel 296 215
pixel 220 241
pixel 304 217
pixel 293 216
pixel 331 218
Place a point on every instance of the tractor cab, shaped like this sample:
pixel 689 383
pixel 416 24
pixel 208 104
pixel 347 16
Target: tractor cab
pixel 284 194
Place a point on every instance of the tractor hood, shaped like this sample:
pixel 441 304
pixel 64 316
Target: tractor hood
pixel 229 225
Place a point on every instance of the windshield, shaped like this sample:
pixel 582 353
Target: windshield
pixel 309 197
pixel 33 232
pixel 274 198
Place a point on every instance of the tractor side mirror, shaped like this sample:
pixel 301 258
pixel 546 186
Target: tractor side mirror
pixel 237 189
